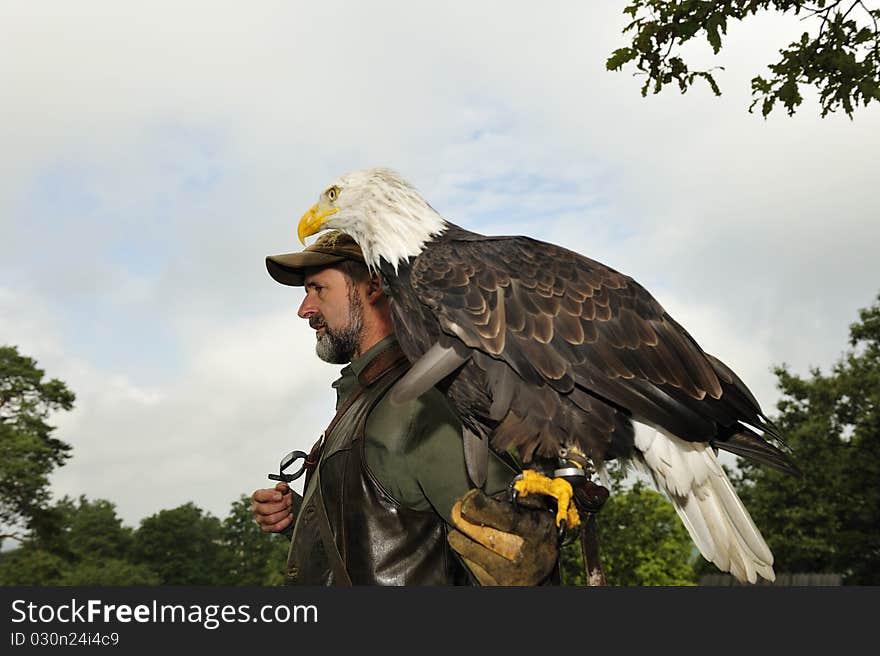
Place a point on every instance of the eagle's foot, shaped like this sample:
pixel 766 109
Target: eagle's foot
pixel 560 489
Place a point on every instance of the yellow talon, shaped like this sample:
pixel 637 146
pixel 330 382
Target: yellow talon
pixel 558 488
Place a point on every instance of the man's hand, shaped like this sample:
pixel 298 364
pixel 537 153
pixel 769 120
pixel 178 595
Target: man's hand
pixel 502 544
pixel 271 508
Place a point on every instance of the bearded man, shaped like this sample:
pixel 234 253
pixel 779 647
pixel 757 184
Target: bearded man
pixel 387 498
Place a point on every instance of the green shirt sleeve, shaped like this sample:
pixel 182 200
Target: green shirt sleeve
pixel 415 452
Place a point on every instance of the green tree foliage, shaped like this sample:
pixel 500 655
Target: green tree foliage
pixel 184 546
pixel 112 571
pixel 642 542
pixel 75 543
pixel 86 530
pixel 841 58
pixel 85 543
pixel 257 558
pixel 31 565
pixel 827 521
pixel 28 452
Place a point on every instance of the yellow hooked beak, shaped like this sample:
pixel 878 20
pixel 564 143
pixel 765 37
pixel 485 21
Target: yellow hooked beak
pixel 313 220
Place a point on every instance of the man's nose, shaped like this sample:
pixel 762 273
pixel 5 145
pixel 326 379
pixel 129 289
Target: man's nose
pixel 306 308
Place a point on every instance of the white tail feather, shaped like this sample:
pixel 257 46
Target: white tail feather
pixel 716 519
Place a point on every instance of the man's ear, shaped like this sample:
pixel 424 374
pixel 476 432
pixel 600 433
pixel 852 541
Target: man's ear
pixel 374 288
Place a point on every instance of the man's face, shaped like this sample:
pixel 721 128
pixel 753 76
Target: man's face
pixel 334 309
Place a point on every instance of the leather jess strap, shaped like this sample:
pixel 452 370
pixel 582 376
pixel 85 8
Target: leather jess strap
pixel 382 363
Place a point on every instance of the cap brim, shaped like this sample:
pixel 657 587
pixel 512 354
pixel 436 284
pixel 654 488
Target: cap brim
pixel 289 268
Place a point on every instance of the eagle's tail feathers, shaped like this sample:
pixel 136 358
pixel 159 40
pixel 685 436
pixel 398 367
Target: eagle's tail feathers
pixel 716 519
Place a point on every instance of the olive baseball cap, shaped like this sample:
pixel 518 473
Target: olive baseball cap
pixel 330 248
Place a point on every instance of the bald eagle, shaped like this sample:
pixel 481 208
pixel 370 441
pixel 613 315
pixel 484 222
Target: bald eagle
pixel 546 352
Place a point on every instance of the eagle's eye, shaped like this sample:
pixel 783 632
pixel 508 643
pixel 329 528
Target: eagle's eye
pixel 333 193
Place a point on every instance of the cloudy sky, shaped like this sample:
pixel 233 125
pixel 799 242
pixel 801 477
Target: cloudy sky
pixel 152 157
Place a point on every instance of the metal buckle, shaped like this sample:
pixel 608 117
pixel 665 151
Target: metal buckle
pixel 286 462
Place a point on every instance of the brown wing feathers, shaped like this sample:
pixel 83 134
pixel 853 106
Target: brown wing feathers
pixel 591 345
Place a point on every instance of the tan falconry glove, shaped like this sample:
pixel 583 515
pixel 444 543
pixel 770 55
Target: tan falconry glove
pixel 503 544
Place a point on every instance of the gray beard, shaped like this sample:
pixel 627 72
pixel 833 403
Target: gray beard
pixel 340 346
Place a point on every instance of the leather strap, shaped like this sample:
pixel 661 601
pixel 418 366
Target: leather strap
pixel 386 360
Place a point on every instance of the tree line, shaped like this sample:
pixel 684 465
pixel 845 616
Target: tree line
pixel 824 521
pixel 83 542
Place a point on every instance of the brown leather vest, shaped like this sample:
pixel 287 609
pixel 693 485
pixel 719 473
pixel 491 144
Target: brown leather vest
pixel 349 530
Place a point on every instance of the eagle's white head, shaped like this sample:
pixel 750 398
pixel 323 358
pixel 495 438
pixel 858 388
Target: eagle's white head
pixel 383 213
